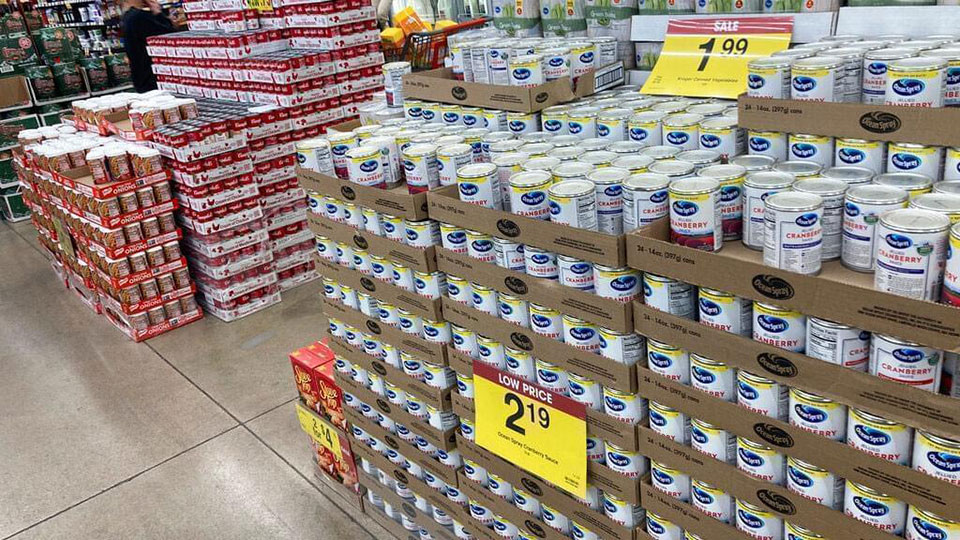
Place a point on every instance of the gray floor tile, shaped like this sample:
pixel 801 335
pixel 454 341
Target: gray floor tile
pixel 230 487
pixel 83 406
pixel 281 430
pixel 244 364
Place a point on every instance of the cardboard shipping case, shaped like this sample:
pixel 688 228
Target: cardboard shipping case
pixel 904 483
pixel 439 85
pixel 446 206
pixel 789 506
pixel 420 260
pixel 424 520
pixel 604 371
pixel 837 294
pixel 920 125
pixel 606 312
pixel 382 290
pixel 687 517
pixel 395 201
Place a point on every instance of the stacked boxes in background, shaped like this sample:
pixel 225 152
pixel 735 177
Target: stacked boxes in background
pixel 105 211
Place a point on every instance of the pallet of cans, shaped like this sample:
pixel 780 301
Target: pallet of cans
pixel 523 75
pixel 896 91
pixel 111 202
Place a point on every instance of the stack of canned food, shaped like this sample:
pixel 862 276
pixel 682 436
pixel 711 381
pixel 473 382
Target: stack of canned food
pixel 887 69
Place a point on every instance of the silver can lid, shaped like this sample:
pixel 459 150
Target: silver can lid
pixel 571 188
pixel 753 162
pixel 724 172
pixel 694 185
pixel 608 175
pixel 874 194
pixel 799 169
pixel 699 157
pixel 540 164
pixel 672 168
pixel 647 182
pixel 904 180
pixel 821 186
pixel 530 179
pixel 850 175
pixel 794 201
pixel 915 220
pixel 769 180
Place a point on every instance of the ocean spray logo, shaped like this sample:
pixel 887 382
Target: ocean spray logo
pixel 624 283
pixel 660 360
pixel 469 189
pixel 603 130
pixel 685 208
pixel 945 462
pixel 751 458
pixel 908 356
pixel 657 419
pixel 851 156
pixel 709 307
pixel 729 194
pixel 773 324
pixel 701 496
pixel 522 74
pixel 870 507
pixel 749 520
pixel 908 87
pixel 457 237
pixel 540 321
pixel 659 197
pixel 661 477
pixel 638 134
pixel 409 166
pixel 552 125
pixel 877 68
pixel 517 125
pixel 533 198
pixel 928 530
pixel 755 82
pixel 699 436
pixel 759 144
pixel 574 127
pixel 905 161
pixel 547 376
pixel 702 376
pixel 619 460
pixel 582 334
pixel 851 209
pixel 709 140
pixel 898 241
pixel 580 268
pixel 652 526
pixel 614 404
pixel 451 117
pixel 807 220
pixel 370 165
pixel 556 61
pixel 799 478
pixel 802 83
pixel 803 150
pixel 810 414
pixel 677 138
pixel 871 436
pixel 746 391
pixel 586 58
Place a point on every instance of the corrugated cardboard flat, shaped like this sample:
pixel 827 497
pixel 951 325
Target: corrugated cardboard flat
pixel 889 399
pixel 409 451
pixel 435 353
pixel 545 492
pixel 396 201
pixel 791 507
pixel 605 312
pixel 602 370
pixel 424 520
pixel 837 294
pixel 527 523
pixel 443 439
pixel 421 260
pixel 598 424
pixel 687 517
pixel 435 397
pixel 381 290
pixel 593 246
pixel 440 85
pixel 920 125
pixel 904 483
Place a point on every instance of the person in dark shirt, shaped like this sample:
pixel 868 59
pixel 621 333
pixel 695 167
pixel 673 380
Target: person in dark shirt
pixel 143 19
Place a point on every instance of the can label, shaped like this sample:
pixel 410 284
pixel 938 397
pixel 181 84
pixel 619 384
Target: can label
pixel 546 321
pixel 712 501
pixel 951 273
pixel 520 123
pixel 880 511
pixel 811 148
pixel 422 234
pixel 448 163
pixel 530 201
pixel 951 164
pixel 717 380
pixel 480 190
pixel 874 81
pixel 725 141
pixel 768 143
pixel 886 440
pixel 528 73
pixel 793 240
pixel 575 273
pixel 858 250
pixel 915 88
pixel 685 138
pixel 491 352
pixel 621 348
pixel 620 284
pixel 767 398
pixel 910 263
pixel 868 154
pixel 584 127
pixel 695 220
pixel 761 463
pixel 609 202
pixel 459 290
pixel 552 377
pixel 817 485
pixel 843 346
pixel 779 327
pixel 754 209
pixel 758 524
pixel 578 211
pixel 926 526
pixel 725 312
pixel 714 442
pixel 646 133
pixel 825 418
pixel 771 82
pixel 509 254
pixel 453 238
pixel 668 361
pixel 641 208
pixel 926 160
pixel 669 295
pixel 612 129
pixel 521 364
pixel 625 407
pixel 581 334
pixel 936 459
pixel 672 482
pixel 480 247
pixel 670 423
pixel 816 84
pixel 915 365
pixel 540 264
pixel 514 310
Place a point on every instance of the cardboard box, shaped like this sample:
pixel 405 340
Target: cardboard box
pixel 14 92
pixel 545 492
pixel 845 461
pixel 409 451
pixel 313 374
pixel 425 521
pixel 687 517
pixel 889 399
pixel 440 85
pixel 435 353
pixel 395 529
pixel 421 260
pixel 435 397
pixel 593 246
pixel 527 523
pixel 602 370
pixel 445 440
pixel 381 290
pixel 340 468
pixel 789 506
pixel 598 424
pixel 921 125
pixel 837 293
pixel 605 312
pixel 396 202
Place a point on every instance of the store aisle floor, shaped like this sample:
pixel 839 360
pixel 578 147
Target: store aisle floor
pixel 190 435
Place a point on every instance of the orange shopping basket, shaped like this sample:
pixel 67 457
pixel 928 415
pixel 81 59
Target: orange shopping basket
pixel 426 50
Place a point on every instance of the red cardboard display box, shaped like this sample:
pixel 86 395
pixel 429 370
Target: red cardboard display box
pixel 313 373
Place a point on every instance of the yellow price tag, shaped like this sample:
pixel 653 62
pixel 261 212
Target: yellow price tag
pixel 535 429
pixel 320 430
pixel 260 5
pixel 707 57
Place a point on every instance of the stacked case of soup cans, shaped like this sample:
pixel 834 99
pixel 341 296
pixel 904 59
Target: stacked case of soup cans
pixel 111 202
pixel 803 200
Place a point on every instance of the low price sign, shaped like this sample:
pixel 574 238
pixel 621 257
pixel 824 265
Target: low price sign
pixel 319 430
pixel 532 427
pixel 707 57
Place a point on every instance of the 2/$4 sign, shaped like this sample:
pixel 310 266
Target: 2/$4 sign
pixel 534 428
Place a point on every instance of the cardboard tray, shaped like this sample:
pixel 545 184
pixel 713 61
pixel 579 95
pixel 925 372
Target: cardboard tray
pixel 409 451
pixel 446 206
pixel 383 291
pixel 392 527
pixel 435 353
pixel 445 440
pixel 598 424
pixel 602 370
pixel 440 85
pixel 545 492
pixel 527 523
pixel 435 397
pixel 421 260
pixel 921 125
pixel 906 404
pixel 605 312
pixel 396 202
pixel 787 505
pixel 837 294
pixel 687 517
pixel 902 482
pixel 425 521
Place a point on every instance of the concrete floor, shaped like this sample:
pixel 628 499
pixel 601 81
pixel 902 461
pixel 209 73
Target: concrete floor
pixel 190 435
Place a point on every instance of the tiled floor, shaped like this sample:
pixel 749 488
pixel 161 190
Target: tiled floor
pixel 190 435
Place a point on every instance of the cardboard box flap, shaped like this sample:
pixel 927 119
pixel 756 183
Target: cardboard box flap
pixel 420 260
pixel 395 201
pixel 837 294
pixel 912 406
pixel 687 517
pixel 920 125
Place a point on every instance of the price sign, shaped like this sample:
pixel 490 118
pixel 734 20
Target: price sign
pixel 319 430
pixel 707 57
pixel 260 5
pixel 538 430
